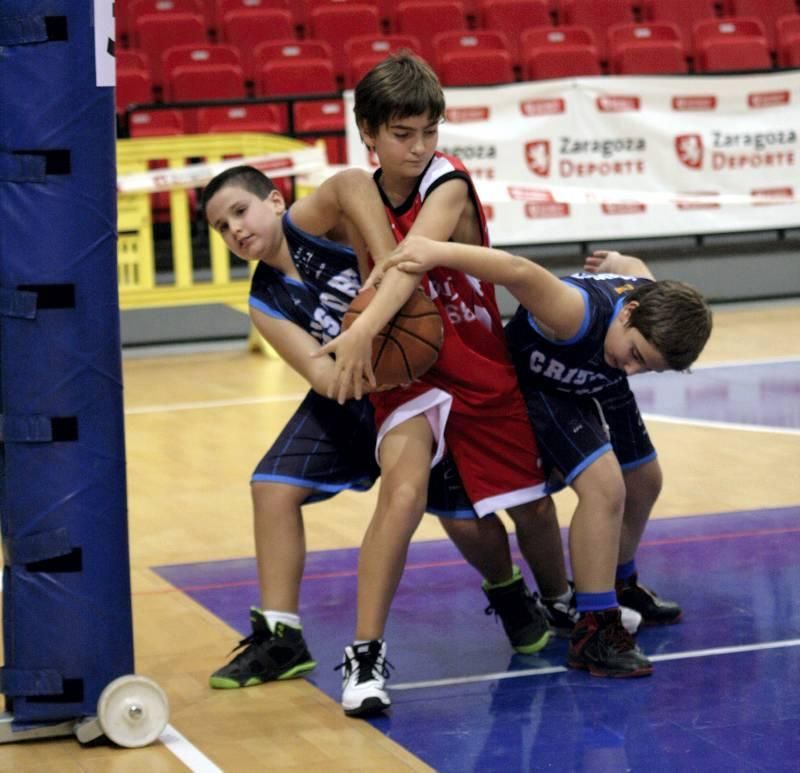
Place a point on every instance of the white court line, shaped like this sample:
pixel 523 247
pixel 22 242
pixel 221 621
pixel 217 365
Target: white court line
pixel 771 645
pixel 203 404
pixel 720 424
pixel 187 753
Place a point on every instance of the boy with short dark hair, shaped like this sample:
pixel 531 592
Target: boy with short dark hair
pixel 469 402
pixel 574 342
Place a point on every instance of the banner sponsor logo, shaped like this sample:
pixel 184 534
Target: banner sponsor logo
pixel 753 150
pixel 542 106
pixel 689 148
pixel 537 156
pixel 521 193
pixel 581 163
pixel 767 99
pixel 697 200
pixel 694 102
pixel 623 208
pixel 536 210
pixel 763 196
pixel 618 104
pixel 467 114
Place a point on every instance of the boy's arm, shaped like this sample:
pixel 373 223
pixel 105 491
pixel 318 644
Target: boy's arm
pixel 612 262
pixel 554 303
pixel 294 345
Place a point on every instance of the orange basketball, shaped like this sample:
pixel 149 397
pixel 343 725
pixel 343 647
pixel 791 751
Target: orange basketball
pixel 409 344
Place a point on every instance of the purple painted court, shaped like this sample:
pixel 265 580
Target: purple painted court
pixel 724 693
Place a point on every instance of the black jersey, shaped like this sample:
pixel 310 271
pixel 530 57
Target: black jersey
pixel 576 365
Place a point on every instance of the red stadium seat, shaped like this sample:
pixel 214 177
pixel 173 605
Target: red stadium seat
pixel 246 117
pixel 155 32
pixel 363 52
pixel 662 39
pixel 656 57
pixel 247 28
pixel 156 123
pixel 565 60
pixel 768 11
pixel 723 35
pixel 134 86
pixel 198 82
pixel 598 15
pixel 425 18
pixel 335 23
pixel 788 31
pixel 511 17
pixel 197 54
pixel 222 7
pixel 131 59
pixel 476 67
pixel 683 14
pixel 321 116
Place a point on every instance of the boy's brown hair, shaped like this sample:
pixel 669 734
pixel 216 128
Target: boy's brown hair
pixel 674 317
pixel 400 86
pixel 246 177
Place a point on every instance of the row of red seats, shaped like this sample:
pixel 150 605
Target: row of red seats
pixel 506 15
pixel 478 57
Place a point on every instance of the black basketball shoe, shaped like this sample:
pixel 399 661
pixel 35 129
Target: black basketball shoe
pixel 601 645
pixel 523 621
pixel 265 656
pixel 654 610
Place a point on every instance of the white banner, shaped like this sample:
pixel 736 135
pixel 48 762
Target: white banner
pixel 298 162
pixel 624 156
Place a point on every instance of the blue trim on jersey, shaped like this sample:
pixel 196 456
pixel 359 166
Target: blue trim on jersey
pixel 581 331
pixel 639 462
pixel 456 515
pixel 263 307
pixel 605 448
pixel 329 489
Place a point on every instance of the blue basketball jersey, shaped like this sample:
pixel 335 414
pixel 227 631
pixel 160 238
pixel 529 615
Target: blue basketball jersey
pixel 577 365
pixel 330 282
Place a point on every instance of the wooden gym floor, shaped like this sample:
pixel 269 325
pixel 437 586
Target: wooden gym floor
pixel 197 423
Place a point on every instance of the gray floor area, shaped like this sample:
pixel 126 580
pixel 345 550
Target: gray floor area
pixel 727 268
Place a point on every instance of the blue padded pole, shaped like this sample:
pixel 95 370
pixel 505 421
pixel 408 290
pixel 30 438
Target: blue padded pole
pixel 67 627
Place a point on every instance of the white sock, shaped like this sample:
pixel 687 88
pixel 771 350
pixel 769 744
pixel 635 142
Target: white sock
pixel 564 598
pixel 287 618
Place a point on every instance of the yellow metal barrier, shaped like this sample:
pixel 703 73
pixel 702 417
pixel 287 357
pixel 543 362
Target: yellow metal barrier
pixel 138 287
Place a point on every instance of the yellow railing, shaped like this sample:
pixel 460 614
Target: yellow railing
pixel 138 287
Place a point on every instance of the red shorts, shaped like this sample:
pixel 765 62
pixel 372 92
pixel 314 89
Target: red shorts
pixel 496 456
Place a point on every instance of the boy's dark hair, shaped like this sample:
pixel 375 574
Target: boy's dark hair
pixel 400 86
pixel 674 317
pixel 247 177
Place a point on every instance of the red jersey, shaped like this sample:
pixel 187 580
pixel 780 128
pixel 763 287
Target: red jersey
pixel 474 365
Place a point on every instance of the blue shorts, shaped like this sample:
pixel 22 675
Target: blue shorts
pixel 574 430
pixel 329 447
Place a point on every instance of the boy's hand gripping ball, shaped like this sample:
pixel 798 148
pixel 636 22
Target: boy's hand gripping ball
pixel 409 344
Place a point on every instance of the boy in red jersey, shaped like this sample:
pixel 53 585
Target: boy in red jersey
pixel 469 402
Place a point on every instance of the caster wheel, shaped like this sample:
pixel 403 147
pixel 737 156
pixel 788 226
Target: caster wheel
pixel 132 711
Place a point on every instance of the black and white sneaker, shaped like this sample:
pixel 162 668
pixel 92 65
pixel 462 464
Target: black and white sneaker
pixel 364 673
pixel 561 616
pixel 653 609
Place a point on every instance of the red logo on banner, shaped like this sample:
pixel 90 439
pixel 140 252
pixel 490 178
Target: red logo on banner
pixel 768 99
pixel 518 193
pixel 537 154
pixel 542 106
pixel 689 148
pixel 488 211
pixel 546 209
pixel 697 203
pixel 773 195
pixel 623 208
pixel 618 104
pixel 466 114
pixel 695 102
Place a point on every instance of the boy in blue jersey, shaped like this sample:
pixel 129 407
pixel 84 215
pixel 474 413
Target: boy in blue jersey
pixel 303 282
pixel 574 342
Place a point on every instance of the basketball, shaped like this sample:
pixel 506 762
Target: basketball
pixel 409 344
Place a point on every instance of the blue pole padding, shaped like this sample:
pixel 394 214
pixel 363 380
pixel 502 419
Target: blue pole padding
pixel 67 626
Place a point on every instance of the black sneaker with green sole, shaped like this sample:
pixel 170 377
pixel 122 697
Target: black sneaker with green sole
pixel 523 621
pixel 265 656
